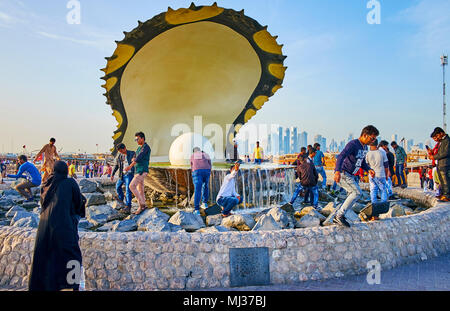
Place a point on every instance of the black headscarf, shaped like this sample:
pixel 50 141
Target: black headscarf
pixel 48 190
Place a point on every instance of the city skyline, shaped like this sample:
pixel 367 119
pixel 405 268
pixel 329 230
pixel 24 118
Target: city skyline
pixel 293 138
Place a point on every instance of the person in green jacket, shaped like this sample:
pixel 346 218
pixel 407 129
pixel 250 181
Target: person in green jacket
pixel 443 162
pixel 140 162
pixel 400 164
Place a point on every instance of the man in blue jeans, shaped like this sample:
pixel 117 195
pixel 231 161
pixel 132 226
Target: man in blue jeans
pixel 227 197
pixel 201 171
pixel 400 164
pixel 319 162
pixel 124 159
pixel 308 176
pixel 33 178
pixel 348 163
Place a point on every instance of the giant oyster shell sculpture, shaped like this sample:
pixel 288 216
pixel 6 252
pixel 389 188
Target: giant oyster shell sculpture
pixel 203 61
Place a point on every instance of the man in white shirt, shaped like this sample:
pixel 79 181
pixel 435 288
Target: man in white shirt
pixel 377 160
pixel 227 197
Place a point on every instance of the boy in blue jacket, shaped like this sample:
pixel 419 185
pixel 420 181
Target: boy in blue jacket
pixel 349 161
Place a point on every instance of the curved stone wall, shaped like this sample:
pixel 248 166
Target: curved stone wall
pixel 154 260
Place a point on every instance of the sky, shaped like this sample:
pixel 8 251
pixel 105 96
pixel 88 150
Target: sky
pixel 343 73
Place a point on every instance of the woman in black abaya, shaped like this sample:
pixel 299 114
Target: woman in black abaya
pixel 57 255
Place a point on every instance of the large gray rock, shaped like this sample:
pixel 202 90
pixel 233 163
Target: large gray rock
pixel 30 205
pixel 125 226
pixel 108 226
pixel 31 222
pixel 395 210
pixel 100 214
pixel 12 211
pixel 358 207
pixel 4 222
pixel 281 217
pixel 239 222
pixel 159 226
pixel 21 215
pixel 187 221
pixel 309 220
pixel 6 203
pixel 308 210
pixel 108 196
pixel 150 215
pixel 325 196
pixel 352 217
pixel 328 209
pixel 214 220
pixel 85 224
pixel 266 223
pixel 10 192
pixel 95 199
pixel 260 214
pixel 215 229
pixel 87 186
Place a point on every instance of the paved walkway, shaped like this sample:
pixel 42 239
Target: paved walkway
pixel 430 275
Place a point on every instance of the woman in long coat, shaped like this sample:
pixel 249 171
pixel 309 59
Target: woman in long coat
pixel 57 254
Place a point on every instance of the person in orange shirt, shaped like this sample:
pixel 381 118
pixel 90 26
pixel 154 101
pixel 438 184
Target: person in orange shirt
pixel 50 153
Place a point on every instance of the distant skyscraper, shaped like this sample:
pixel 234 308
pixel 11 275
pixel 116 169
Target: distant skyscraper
pixel 280 140
pixel 303 139
pixel 410 144
pixel 287 141
pixel 394 138
pixel 294 140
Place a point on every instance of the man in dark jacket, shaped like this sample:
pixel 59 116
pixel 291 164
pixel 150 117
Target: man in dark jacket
pixel 443 162
pixel 308 176
pixel 124 159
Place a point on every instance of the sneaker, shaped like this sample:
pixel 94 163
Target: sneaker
pixel 394 197
pixel 126 210
pixel 204 205
pixel 340 220
pixel 444 199
pixel 197 212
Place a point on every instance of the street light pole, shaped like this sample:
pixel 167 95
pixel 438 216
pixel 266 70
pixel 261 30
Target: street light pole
pixel 444 62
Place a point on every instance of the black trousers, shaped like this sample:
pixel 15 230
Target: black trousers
pixel 444 179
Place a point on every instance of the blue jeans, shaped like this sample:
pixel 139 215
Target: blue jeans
pixel 126 179
pixel 314 193
pixel 321 171
pixel 389 186
pixel 354 192
pixel 258 161
pixel 201 182
pixel 378 185
pixel 228 203
pixel 399 172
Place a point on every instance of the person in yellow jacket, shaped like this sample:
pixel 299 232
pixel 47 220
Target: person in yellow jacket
pixel 258 154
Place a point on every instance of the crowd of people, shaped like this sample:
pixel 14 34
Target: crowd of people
pixel 62 204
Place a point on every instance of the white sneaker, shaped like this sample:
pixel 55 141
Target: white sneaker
pixel 204 205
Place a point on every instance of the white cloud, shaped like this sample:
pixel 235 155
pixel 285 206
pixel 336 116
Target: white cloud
pixel 433 26
pixel 64 38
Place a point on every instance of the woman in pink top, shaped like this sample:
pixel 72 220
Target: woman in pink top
pixel 201 171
